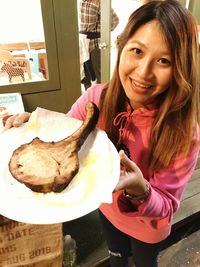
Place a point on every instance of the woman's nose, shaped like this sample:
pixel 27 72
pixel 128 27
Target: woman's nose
pixel 145 68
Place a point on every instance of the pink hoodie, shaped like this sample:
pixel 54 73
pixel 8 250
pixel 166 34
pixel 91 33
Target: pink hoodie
pixel 152 221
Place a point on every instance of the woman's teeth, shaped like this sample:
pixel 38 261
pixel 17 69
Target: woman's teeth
pixel 142 85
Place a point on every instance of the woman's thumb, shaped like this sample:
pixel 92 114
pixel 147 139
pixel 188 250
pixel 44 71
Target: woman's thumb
pixel 125 161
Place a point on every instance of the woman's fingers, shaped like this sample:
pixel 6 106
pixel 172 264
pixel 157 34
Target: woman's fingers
pixel 8 123
pixel 131 176
pixel 16 120
pixel 126 162
pixel 21 118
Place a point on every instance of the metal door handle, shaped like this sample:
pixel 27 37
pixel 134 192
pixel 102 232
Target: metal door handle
pixel 103 45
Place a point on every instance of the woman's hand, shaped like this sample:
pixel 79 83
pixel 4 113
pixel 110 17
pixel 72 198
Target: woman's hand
pixel 16 120
pixel 131 177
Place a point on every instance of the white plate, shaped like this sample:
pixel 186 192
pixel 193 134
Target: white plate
pixel 98 175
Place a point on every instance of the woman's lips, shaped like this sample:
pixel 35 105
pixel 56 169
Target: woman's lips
pixel 139 87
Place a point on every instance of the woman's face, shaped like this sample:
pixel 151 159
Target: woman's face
pixel 145 68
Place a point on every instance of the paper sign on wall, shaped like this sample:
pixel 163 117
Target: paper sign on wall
pixel 10 103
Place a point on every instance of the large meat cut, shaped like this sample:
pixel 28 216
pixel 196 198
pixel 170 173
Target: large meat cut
pixel 50 166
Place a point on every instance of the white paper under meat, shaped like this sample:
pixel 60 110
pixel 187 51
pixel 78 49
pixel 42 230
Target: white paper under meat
pixel 97 177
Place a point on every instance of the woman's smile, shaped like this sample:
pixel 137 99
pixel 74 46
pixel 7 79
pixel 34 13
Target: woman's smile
pixel 140 87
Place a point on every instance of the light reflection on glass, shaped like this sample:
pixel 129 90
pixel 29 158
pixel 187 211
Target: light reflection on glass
pixel 22 42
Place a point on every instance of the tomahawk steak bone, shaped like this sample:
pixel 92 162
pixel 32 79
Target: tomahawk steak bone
pixel 50 166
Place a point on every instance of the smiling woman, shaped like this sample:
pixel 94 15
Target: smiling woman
pixel 150 109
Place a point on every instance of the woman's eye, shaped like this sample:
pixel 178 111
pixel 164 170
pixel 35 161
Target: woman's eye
pixel 137 51
pixel 164 61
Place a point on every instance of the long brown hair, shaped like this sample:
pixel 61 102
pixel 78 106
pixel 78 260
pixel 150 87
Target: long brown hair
pixel 178 114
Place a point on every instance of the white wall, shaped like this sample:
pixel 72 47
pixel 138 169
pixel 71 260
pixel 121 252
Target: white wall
pixel 21 21
pixel 123 8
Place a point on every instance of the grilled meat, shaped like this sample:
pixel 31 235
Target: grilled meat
pixel 50 166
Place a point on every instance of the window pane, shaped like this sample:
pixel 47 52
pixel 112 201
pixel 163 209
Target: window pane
pixel 23 55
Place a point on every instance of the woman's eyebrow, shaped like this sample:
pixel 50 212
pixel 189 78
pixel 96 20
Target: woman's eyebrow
pixel 163 53
pixel 136 42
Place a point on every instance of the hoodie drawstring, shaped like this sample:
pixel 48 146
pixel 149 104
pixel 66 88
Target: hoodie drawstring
pixel 120 121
